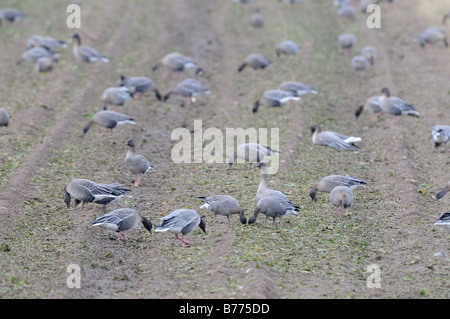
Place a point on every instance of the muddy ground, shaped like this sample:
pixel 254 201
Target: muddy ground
pixel 316 254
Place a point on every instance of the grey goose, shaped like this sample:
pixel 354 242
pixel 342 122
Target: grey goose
pixel 297 88
pixel 370 53
pixel 432 36
pixel 84 53
pixel 86 191
pixel 48 43
pixel 4 119
pixel 257 19
pixel 141 84
pixel 440 134
pixel 443 191
pixel 223 205
pixel 109 120
pixel 255 61
pixel 360 63
pixel 372 105
pixel 251 153
pixel 342 198
pixel 287 47
pixel 11 15
pixel 122 220
pixel 327 184
pixel 177 62
pixel 347 41
pixel 45 64
pixel 333 139
pixel 137 164
pixel 34 54
pixel 396 106
pixel 189 89
pixel 274 98
pixel 117 96
pixel 181 221
pixel 271 206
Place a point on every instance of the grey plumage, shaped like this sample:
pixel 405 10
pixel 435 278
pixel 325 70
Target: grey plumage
pixel 224 205
pixel 333 139
pixel 359 63
pixel 444 221
pixel 441 135
pixel 251 153
pixel 287 47
pixel 257 19
pixel 327 184
pixel 396 106
pixel 255 61
pixel 189 89
pixel 11 15
pixel 347 12
pixel 432 36
pixel 117 96
pixel 370 53
pixel 45 64
pixel 84 53
pixel 48 43
pixel 297 88
pixel 178 63
pixel 342 198
pixel 137 164
pixel 141 84
pixel 274 98
pixel 443 191
pixel 86 191
pixel 347 41
pixel 34 54
pixel 108 120
pixel 271 206
pixel 181 221
pixel 122 220
pixel 4 119
pixel 372 105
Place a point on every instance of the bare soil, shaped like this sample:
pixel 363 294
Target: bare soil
pixel 316 254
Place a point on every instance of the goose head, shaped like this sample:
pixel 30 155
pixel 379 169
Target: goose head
pixel 130 143
pixel 77 37
pixel 314 128
pixel 359 110
pixel 386 92
pixel 147 224
pixel 202 224
pixel 67 198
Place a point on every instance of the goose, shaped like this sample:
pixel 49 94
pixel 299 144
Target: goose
pixel 178 63
pixel 4 119
pixel 360 63
pixel 84 53
pixel 347 42
pixel 444 191
pixel 363 4
pixel 432 36
pixel 108 120
pixel 255 61
pixel 137 164
pixel 287 47
pixel 341 197
pixel 48 43
pixel 274 98
pixel 333 139
pixel 45 64
pixel 190 89
pixel 370 53
pixel 86 191
pixel 181 221
pixel 251 153
pixel 11 14
pixel 396 106
pixel 257 19
pixel 444 220
pixel 34 54
pixel 264 190
pixel 117 96
pixel 271 206
pixel 441 135
pixel 446 16
pixel 297 88
pixel 327 184
pixel 372 105
pixel 347 12
pixel 141 84
pixel 122 220
pixel 224 205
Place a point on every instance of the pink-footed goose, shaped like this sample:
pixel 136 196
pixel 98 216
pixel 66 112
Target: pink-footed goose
pixel 109 120
pixel 342 198
pixel 287 47
pixel 4 119
pixel 347 41
pixel 274 98
pixel 327 184
pixel 441 135
pixel 432 36
pixel 396 106
pixel 255 61
pixel 333 139
pixel 141 84
pixel 297 88
pixel 177 62
pixel 251 153
pixel 372 105
pixel 84 53
pixel 224 205
pixel 137 164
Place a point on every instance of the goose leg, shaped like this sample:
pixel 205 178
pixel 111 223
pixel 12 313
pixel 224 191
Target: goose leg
pixel 104 132
pixel 138 180
pixel 112 133
pixel 339 212
pixel 394 120
pixel 248 167
pixel 346 212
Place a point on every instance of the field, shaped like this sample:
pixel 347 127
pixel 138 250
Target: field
pixel 316 254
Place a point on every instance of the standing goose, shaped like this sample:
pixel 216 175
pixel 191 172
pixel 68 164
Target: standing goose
pixel 271 206
pixel 86 191
pixel 274 98
pixel 45 64
pixel 108 120
pixel 190 89
pixel 327 184
pixel 347 42
pixel 117 96
pixel 287 47
pixel 122 220
pixel 255 61
pixel 224 205
pixel 178 63
pixel 432 36
pixel 84 53
pixel 440 134
pixel 370 53
pixel 347 12
pixel 4 119
pixel 444 191
pixel 48 43
pixel 395 106
pixel 264 190
pixel 137 164
pixel 444 220
pixel 341 197
pixel 333 139
pixel 181 221
pixel 251 153
pixel 372 105
pixel 141 84
pixel 360 63
pixel 11 15
pixel 297 88
pixel 257 19
pixel 34 54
